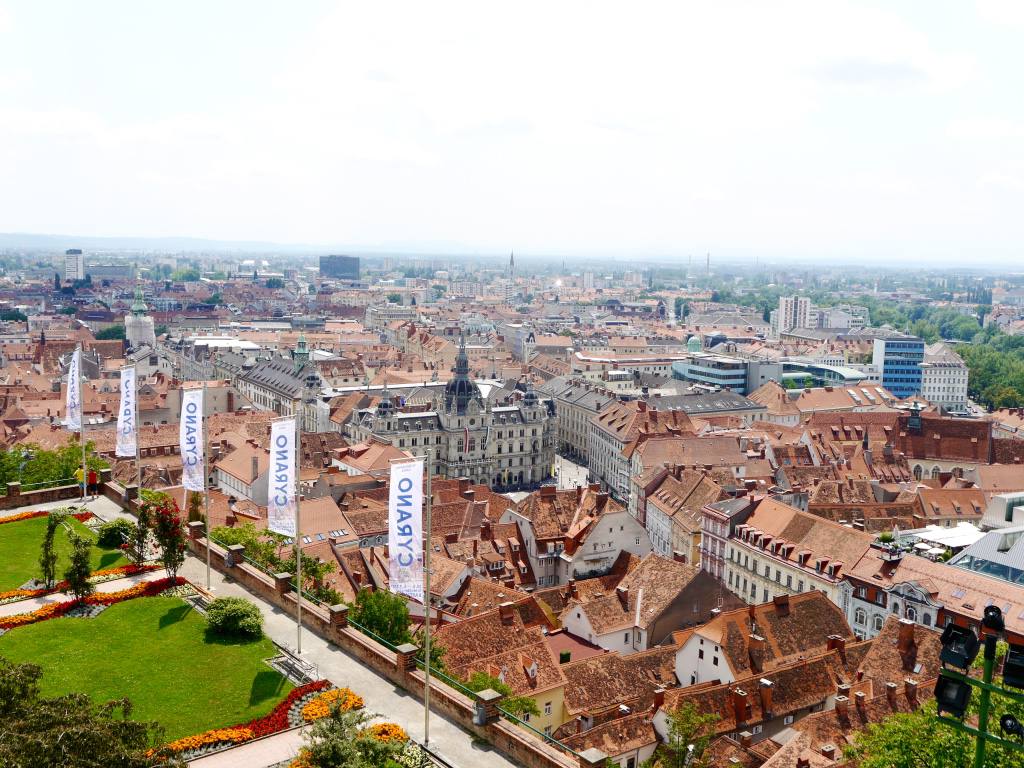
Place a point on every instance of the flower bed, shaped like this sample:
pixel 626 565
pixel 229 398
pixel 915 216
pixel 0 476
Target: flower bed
pixel 388 732
pixel 55 610
pixel 321 706
pixel 279 719
pixel 79 516
pixel 97 577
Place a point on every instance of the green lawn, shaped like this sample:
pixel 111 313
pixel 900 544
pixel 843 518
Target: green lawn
pixel 19 551
pixel 154 651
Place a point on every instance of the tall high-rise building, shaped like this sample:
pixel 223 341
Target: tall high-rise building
pixel 340 267
pixel 74 264
pixel 793 312
pixel 899 357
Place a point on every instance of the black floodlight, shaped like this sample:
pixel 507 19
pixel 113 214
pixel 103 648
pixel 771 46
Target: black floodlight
pixel 1011 725
pixel 959 646
pixel 952 696
pixel 1013 666
pixel 993 618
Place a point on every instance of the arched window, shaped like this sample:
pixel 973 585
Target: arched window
pixel 877 623
pixel 911 613
pixel 860 616
pixel 935 473
pixel 895 607
pixel 927 619
pixel 918 472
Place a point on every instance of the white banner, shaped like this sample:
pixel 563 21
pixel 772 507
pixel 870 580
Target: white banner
pixel 73 405
pixel 126 432
pixel 281 492
pixel 405 529
pixel 190 438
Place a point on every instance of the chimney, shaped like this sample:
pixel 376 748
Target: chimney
pixel 463 485
pixel 659 698
pixel 910 688
pixel 843 689
pixel 746 738
pixel 469 495
pixel 756 652
pixel 572 587
pixel 741 705
pixel 641 406
pixel 890 694
pixel 602 500
pixel 803 762
pixel 505 612
pixel 781 605
pixel 765 689
pixel 838 643
pixel 485 530
pixel 828 750
pixel 623 595
pixel 842 707
pixel 548 491
pixel 905 637
pixel 860 699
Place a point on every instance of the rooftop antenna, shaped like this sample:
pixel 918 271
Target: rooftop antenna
pixel 709 263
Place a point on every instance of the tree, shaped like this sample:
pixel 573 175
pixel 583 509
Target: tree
pixel 42 468
pixel 274 282
pixel 438 290
pixel 342 739
pixel 47 555
pixel 79 570
pixel 383 613
pixel 56 281
pixel 140 536
pixel 113 332
pixel 160 330
pixel 234 617
pixel 195 505
pixel 68 310
pixel 515 705
pixel 395 298
pixel 13 316
pixel 169 532
pixel 186 276
pixel 689 733
pixel 70 730
pixel 215 299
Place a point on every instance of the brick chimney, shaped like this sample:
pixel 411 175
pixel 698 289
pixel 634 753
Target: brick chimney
pixel 659 698
pixel 357 579
pixel 765 689
pixel 781 605
pixel 601 501
pixel 910 689
pixel 890 694
pixel 740 705
pixel 746 738
pixel 837 643
pixel 548 491
pixel 756 645
pixel 463 485
pixel 485 530
pixel 843 707
pixel 860 699
pixel 505 612
pixel 828 750
pixel 623 595
pixel 803 762
pixel 469 494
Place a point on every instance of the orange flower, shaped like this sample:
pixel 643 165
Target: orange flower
pixel 321 706
pixel 210 738
pixel 388 732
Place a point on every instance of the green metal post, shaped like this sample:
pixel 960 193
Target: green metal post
pixel 986 694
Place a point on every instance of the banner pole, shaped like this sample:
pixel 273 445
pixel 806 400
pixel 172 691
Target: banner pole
pixel 426 602
pixel 206 485
pixel 138 439
pixel 298 534
pixel 81 432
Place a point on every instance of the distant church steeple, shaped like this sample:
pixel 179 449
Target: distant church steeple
pixel 511 264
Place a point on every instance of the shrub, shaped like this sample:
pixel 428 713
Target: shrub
pixel 116 532
pixel 234 617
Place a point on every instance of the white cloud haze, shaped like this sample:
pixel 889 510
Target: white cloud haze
pixel 785 128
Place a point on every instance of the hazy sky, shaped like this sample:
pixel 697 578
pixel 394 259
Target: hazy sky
pixel 888 130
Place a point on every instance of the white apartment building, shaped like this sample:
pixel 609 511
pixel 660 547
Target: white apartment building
pixel 793 312
pixel 944 378
pixel 74 264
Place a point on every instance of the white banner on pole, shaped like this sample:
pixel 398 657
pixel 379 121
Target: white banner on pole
pixel 405 529
pixel 190 437
pixel 126 432
pixel 281 493
pixel 73 405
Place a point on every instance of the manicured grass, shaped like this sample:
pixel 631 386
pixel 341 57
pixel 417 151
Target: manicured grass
pixel 154 651
pixel 20 544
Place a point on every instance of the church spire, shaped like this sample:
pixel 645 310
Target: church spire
pixel 511 264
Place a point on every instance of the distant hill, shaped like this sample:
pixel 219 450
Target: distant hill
pixel 30 241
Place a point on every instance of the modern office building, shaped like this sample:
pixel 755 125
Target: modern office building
pixel 340 267
pixel 793 312
pixel 74 264
pixel 899 356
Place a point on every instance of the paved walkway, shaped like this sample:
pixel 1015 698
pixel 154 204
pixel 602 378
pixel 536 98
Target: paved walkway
pixel 27 606
pixel 256 754
pixel 380 694
pixel 100 506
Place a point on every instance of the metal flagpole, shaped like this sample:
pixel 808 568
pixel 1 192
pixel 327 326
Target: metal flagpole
pixel 206 484
pixel 298 534
pixel 138 441
pixel 426 603
pixel 81 432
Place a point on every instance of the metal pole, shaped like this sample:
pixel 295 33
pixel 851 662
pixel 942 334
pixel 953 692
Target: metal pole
pixel 298 535
pixel 81 405
pixel 138 441
pixel 426 603
pixel 206 485
pixel 983 704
